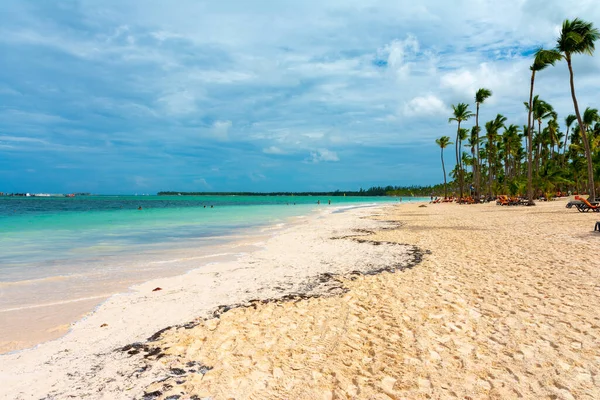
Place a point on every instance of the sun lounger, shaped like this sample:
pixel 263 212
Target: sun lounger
pixel 513 201
pixel 503 201
pixel 586 206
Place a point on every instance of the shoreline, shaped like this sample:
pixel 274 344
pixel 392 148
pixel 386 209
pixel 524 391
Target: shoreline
pixel 26 326
pixel 223 283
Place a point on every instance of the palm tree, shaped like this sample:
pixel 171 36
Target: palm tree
pixel 568 121
pixel 543 58
pixel 509 139
pixel 553 134
pixel 443 142
pixel 461 113
pixel 492 128
pixel 541 110
pixel 590 117
pixel 480 96
pixel 472 144
pixel 578 37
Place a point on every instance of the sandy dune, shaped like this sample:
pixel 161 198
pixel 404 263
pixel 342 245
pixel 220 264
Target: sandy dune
pixel 507 305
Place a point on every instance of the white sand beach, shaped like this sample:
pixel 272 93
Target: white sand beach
pixel 85 363
pixel 503 305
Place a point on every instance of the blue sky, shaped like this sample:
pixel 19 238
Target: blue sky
pixel 139 96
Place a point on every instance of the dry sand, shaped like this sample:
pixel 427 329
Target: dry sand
pixel 507 305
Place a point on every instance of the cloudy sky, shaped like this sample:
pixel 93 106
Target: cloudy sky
pixel 124 96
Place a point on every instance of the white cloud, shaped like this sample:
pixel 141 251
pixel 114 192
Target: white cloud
pixel 274 150
pixel 220 129
pixel 178 103
pixel 399 55
pixel 425 105
pixel 322 155
pixel 502 77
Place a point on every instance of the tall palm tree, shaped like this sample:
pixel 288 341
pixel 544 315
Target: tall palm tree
pixel 568 121
pixel 472 144
pixel 461 113
pixel 553 132
pixel 443 142
pixel 578 37
pixel 492 128
pixel 541 110
pixel 480 96
pixel 510 138
pixel 543 58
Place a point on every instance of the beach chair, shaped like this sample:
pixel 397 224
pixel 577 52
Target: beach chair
pixel 587 206
pixel 572 203
pixel 502 201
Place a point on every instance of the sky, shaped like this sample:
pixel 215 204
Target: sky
pixel 124 96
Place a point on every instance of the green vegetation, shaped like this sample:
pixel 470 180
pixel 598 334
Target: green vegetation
pixel 512 159
pixel 443 142
pixel 405 191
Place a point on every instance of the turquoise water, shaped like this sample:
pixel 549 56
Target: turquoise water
pixel 59 257
pixel 35 231
pixel 58 249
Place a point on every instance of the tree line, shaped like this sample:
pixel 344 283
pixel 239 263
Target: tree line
pixel 536 158
pixel 418 191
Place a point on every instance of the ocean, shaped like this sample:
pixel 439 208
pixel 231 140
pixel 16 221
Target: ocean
pixel 56 251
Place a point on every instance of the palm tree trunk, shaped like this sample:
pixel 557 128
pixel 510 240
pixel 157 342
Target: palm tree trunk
pixel 507 162
pixel 565 147
pixel 459 163
pixel 476 168
pixel 490 174
pixel 473 169
pixel 586 143
pixel 538 150
pixel 530 145
pixel 444 169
